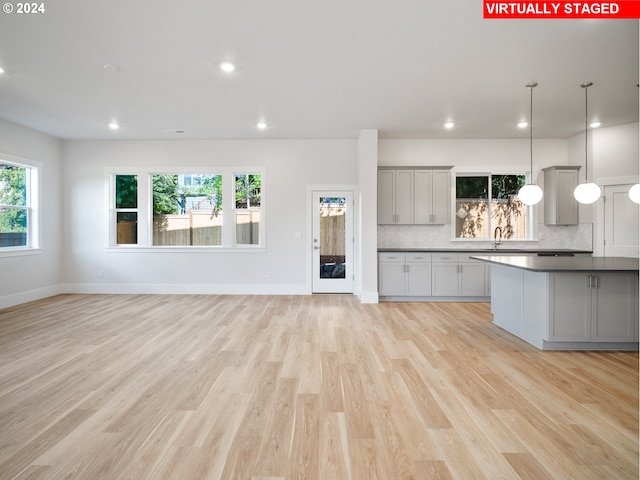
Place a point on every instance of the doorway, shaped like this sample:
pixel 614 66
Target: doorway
pixel 620 222
pixel 332 241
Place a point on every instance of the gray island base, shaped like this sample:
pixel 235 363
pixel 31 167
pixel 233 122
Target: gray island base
pixel 566 303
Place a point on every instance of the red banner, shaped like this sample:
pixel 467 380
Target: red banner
pixel 561 9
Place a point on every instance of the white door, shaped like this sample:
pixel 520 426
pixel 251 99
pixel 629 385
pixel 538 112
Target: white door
pixel 332 241
pixel 620 223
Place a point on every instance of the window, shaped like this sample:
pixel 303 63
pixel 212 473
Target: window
pixel 126 209
pixel 487 207
pixel 248 203
pixel 186 209
pixel 17 205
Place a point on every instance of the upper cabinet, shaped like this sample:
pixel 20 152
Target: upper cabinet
pixel 395 197
pixel 419 196
pixel 560 207
pixel 432 196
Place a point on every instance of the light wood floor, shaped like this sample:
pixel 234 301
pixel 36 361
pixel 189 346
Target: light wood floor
pixel 301 387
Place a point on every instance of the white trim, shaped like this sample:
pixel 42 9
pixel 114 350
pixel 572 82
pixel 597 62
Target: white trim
pixel 34 232
pixel 183 289
pixel 29 296
pixel 183 249
pixel 19 251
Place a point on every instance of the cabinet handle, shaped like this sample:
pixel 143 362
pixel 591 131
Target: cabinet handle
pixel 596 283
pixel 589 282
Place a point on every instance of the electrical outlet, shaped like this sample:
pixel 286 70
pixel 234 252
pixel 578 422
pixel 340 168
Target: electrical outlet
pixel 270 275
pixel 101 273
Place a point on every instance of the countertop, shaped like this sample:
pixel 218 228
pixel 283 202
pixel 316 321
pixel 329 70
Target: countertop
pixel 499 250
pixel 563 264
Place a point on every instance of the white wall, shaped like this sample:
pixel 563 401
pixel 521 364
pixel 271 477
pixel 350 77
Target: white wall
pixel 290 167
pixel 29 277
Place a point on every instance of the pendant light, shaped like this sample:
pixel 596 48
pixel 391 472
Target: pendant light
pixel 531 193
pixel 634 193
pixel 586 192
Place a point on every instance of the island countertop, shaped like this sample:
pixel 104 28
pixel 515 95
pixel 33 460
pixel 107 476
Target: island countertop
pixel 487 251
pixel 563 264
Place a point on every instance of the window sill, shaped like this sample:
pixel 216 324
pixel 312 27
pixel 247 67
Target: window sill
pixel 19 251
pixel 181 249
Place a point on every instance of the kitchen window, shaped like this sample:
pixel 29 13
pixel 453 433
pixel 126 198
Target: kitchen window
pixel 487 207
pixel 18 220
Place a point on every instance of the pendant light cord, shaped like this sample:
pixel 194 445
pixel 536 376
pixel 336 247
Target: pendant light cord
pixel 586 131
pixel 531 86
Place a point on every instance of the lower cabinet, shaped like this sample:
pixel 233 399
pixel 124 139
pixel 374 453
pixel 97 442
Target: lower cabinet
pixel 418 274
pixel 455 275
pixel 592 307
pixel 404 274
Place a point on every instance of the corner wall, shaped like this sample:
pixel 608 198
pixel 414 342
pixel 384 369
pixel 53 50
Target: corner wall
pixel 37 275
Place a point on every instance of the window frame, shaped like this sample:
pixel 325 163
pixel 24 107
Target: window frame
pixel 531 211
pixel 32 207
pixel 145 210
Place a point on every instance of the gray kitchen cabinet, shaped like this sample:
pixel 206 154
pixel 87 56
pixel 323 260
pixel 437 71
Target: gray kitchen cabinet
pixel 593 307
pixel 560 206
pixel 404 274
pixel 432 196
pixel 395 197
pixel 454 275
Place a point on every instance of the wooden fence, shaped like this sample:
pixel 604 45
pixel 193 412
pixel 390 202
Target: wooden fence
pixel 332 230
pixel 510 218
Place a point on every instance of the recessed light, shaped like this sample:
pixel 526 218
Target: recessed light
pixel 114 126
pixel 523 125
pixel 449 125
pixel 227 67
pixel 595 124
pixel 261 126
pixel 1 70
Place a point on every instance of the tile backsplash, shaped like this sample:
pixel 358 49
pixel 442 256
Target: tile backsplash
pixel 577 237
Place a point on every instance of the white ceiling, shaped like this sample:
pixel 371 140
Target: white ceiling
pixel 310 69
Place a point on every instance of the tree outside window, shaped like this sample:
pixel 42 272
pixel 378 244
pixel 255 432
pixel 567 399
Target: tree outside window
pixel 14 205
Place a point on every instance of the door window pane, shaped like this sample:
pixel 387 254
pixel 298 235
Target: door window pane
pixel 332 237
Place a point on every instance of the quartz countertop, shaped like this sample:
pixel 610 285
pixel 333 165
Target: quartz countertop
pixel 497 251
pixel 563 264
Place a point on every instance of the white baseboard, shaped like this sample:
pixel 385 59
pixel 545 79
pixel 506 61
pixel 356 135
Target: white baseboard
pixel 368 297
pixel 164 289
pixel 29 296
pixel 184 289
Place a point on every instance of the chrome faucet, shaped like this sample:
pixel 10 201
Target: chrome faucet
pixel 497 237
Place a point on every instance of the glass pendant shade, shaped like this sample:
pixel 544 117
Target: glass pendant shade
pixel 530 194
pixel 634 193
pixel 587 193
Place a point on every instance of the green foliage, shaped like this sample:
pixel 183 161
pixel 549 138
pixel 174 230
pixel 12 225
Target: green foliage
pixel 126 191
pixel 248 190
pixel 170 198
pixel 165 194
pixel 13 191
pixel 472 187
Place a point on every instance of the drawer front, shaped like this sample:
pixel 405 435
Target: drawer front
pixel 418 257
pixel 391 257
pixel 444 257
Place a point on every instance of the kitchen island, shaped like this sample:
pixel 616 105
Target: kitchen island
pixel 566 303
